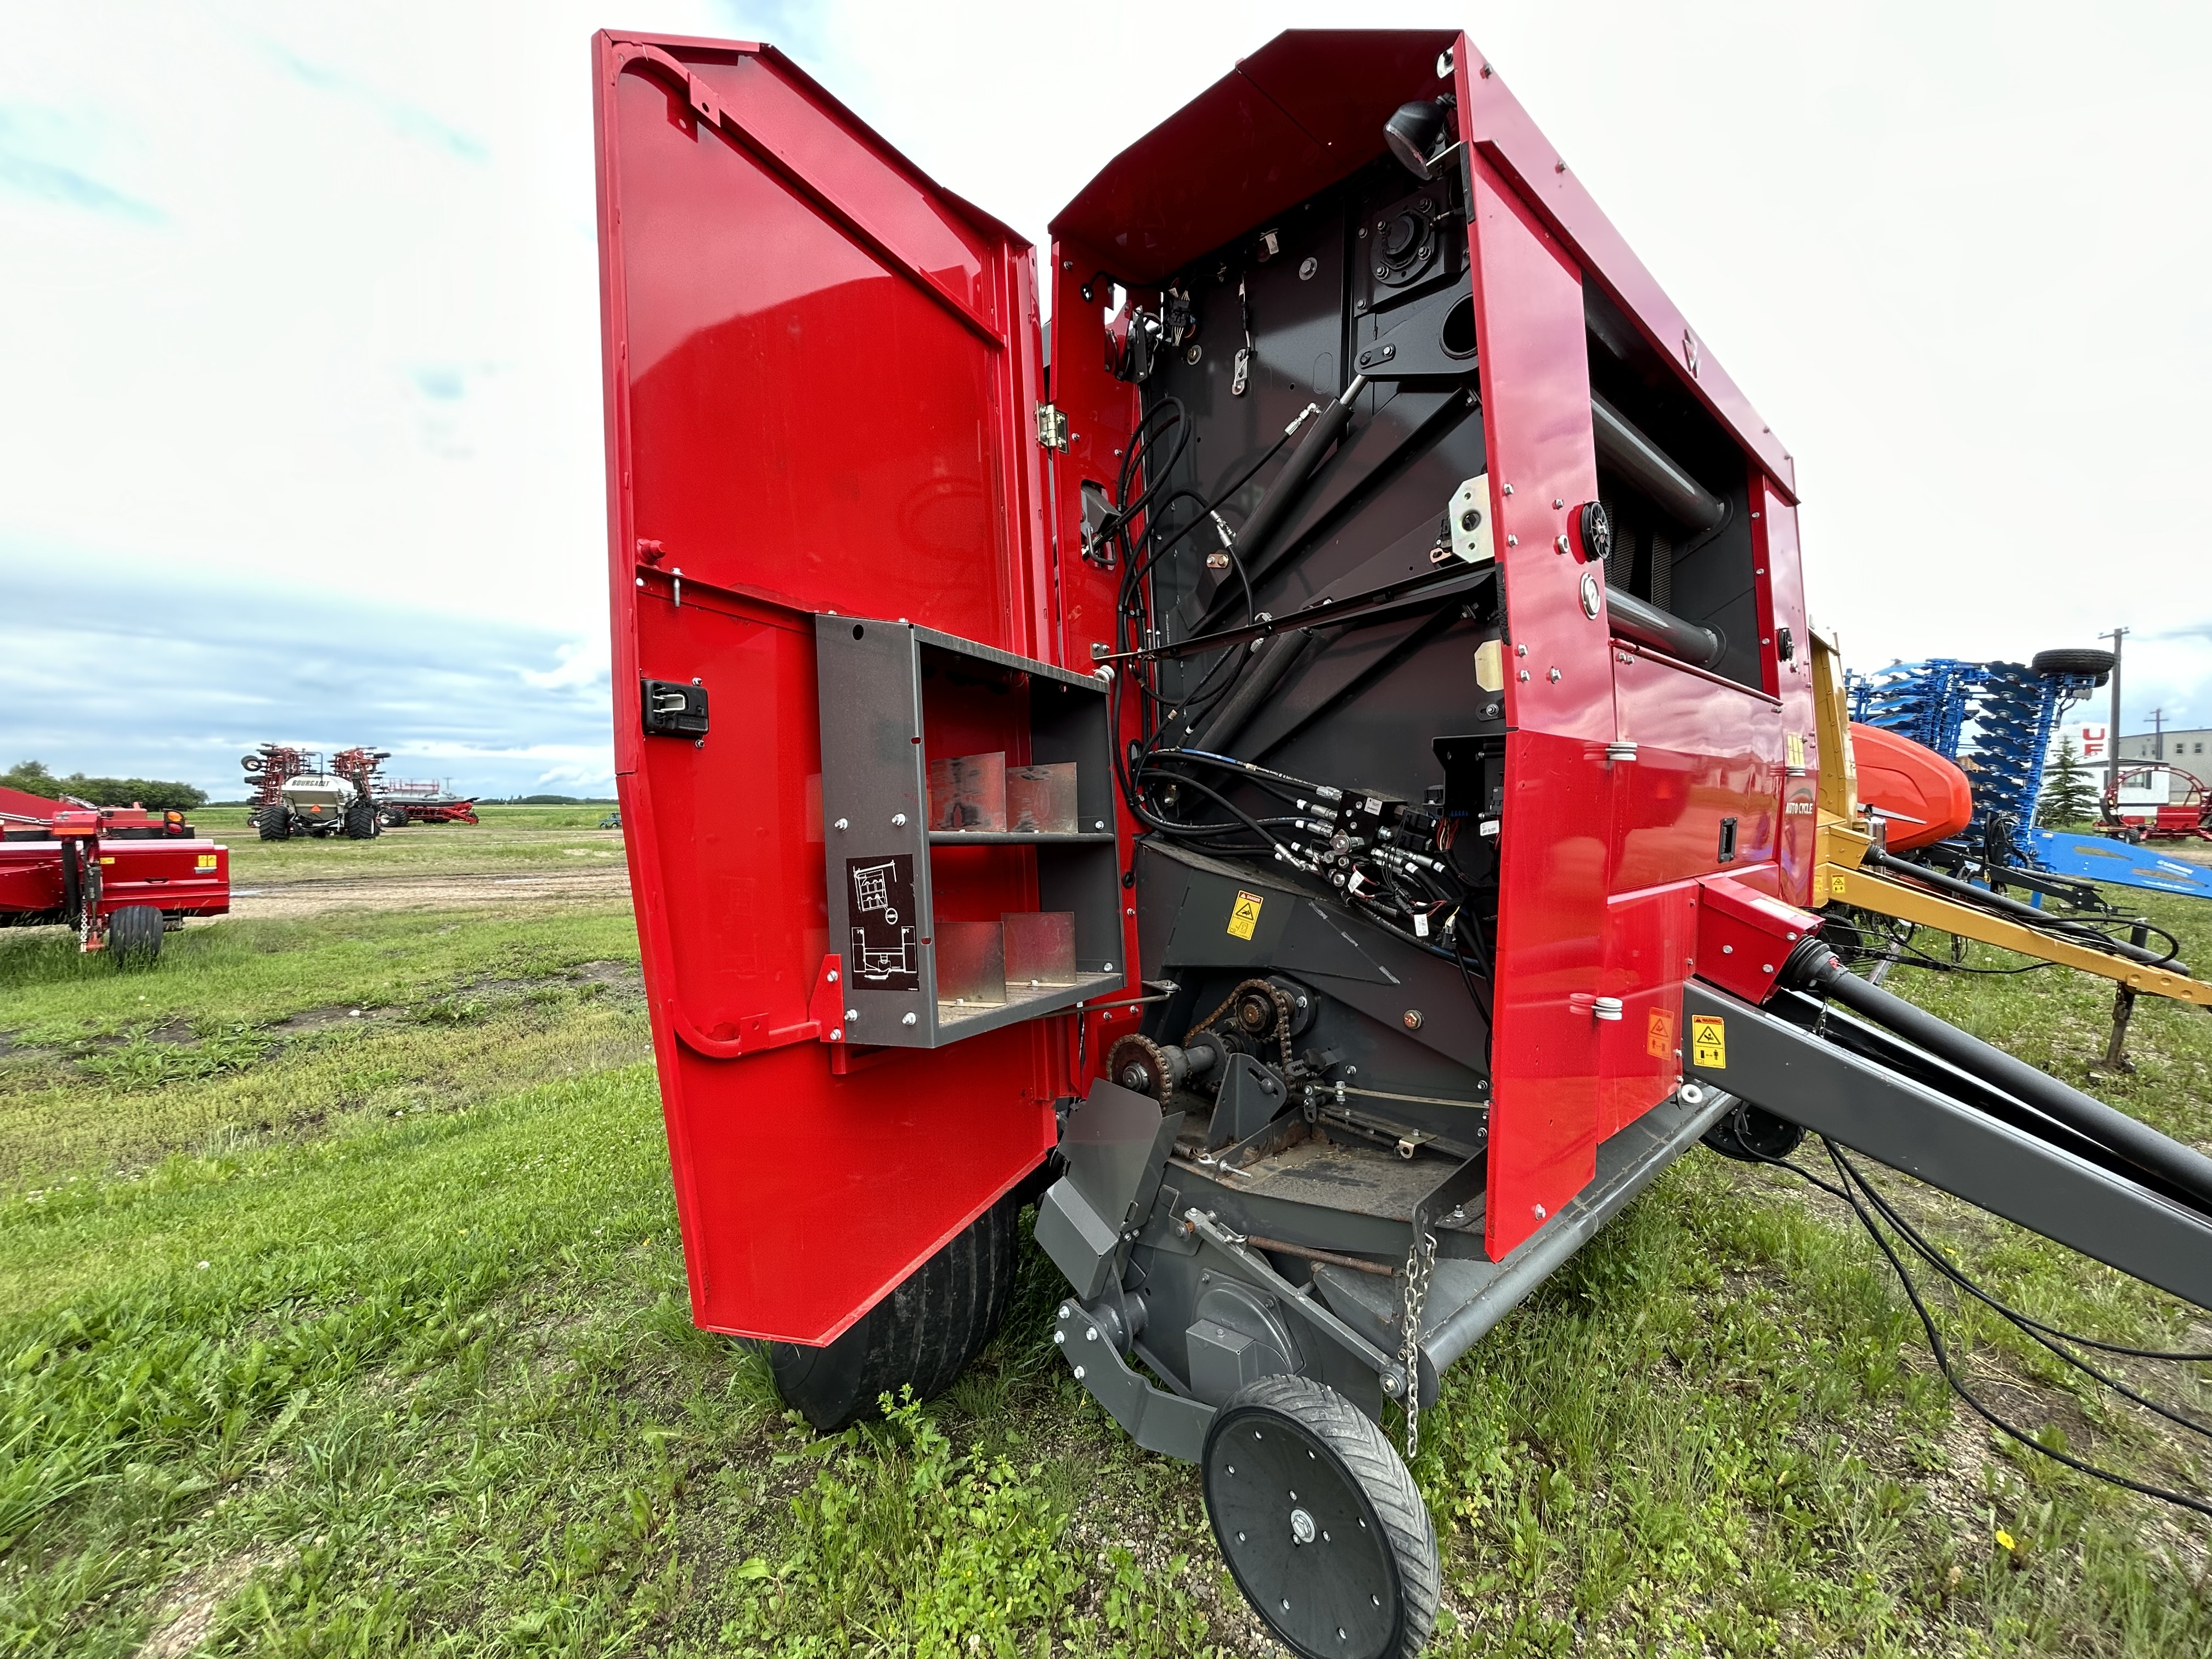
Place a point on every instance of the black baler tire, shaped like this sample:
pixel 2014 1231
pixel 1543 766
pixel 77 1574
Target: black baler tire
pixel 2081 662
pixel 919 1336
pixel 1358 1444
pixel 134 935
pixel 275 823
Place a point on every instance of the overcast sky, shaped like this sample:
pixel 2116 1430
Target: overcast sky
pixel 300 437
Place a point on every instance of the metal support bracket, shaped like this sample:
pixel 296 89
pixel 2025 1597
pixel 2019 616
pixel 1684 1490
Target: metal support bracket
pixel 1156 1419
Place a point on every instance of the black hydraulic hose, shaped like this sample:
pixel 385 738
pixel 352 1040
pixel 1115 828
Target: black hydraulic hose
pixel 2187 1169
pixel 2013 909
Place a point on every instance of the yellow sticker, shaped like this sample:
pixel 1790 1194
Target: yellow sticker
pixel 205 861
pixel 107 860
pixel 1708 1041
pixel 1659 1033
pixel 1246 916
pixel 1793 748
pixel 1837 884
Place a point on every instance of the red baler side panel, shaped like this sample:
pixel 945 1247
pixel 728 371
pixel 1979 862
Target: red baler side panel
pixel 1545 1072
pixel 818 372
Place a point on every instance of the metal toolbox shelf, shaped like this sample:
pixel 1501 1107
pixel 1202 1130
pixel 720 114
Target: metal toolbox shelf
pixel 878 685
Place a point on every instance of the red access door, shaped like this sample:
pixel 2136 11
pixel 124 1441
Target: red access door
pixel 819 368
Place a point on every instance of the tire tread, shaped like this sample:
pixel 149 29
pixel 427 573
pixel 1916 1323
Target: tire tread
pixel 1359 1441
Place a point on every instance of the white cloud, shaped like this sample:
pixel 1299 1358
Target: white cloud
pixel 306 296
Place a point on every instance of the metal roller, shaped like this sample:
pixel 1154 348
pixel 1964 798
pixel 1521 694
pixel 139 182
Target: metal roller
pixel 1648 625
pixel 1647 467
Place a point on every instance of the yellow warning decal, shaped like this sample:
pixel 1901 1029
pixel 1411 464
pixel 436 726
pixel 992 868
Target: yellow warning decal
pixel 1708 1041
pixel 107 860
pixel 205 861
pixel 1245 916
pixel 1793 749
pixel 1837 884
pixel 1659 1033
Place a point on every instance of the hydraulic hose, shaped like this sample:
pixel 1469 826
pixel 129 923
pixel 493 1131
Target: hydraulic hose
pixel 2014 910
pixel 1817 969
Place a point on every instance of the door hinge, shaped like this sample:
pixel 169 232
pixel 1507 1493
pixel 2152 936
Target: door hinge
pixel 1052 427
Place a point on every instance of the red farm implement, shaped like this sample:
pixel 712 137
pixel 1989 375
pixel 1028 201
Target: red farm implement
pixel 2186 815
pixel 402 801
pixel 119 875
pixel 1322 790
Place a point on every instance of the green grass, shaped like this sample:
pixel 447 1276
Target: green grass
pixel 243 1029
pixel 510 839
pixel 416 1375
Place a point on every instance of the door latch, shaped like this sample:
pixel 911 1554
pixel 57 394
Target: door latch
pixel 673 709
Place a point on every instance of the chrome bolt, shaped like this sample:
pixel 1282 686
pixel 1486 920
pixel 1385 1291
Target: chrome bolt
pixel 840 824
pixel 906 1019
pixel 898 820
pixel 852 1014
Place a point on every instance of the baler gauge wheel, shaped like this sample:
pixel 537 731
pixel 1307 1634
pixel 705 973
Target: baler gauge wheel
pixel 1321 1522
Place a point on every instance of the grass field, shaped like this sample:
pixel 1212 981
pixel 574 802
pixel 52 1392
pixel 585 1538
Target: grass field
pixel 342 1312
pixel 510 838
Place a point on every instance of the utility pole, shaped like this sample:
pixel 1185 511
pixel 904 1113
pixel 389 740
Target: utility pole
pixel 2112 741
pixel 2158 734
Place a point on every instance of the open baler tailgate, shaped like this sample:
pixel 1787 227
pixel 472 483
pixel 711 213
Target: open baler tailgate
pixel 819 368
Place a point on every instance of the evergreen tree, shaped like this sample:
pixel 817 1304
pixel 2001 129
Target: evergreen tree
pixel 2067 797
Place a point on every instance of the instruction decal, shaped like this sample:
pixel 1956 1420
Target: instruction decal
pixel 1244 915
pixel 1793 749
pixel 879 909
pixel 1659 1033
pixel 1708 1043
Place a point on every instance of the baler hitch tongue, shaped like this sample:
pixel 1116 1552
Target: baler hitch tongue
pixel 1915 1092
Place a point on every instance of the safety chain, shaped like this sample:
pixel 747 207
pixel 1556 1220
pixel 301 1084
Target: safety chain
pixel 1420 1262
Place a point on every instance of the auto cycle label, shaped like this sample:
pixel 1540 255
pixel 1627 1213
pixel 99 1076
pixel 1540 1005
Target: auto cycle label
pixel 1708 1041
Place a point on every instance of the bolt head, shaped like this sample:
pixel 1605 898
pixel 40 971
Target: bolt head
pixel 1302 1527
pixel 906 1019
pixel 1060 1338
pixel 1078 1373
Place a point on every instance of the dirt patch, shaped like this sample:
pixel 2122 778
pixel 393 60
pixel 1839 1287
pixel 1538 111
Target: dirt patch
pixel 182 1620
pixel 440 892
